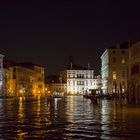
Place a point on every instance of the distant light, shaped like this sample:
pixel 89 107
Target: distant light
pixel 123 61
pixel 21 91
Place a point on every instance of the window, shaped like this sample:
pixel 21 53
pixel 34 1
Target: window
pixel 123 74
pixel 74 83
pixel 73 75
pixel 39 79
pixel 14 76
pixel 69 83
pixel 68 75
pixel 80 82
pixel 135 69
pixel 123 61
pixel 123 52
pixel 114 60
pixel 114 75
pixel 78 76
pixel 39 86
pixel 87 83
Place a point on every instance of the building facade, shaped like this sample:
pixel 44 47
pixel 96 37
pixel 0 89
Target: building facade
pixel 39 83
pixel 1 74
pixel 24 79
pixel 56 88
pixel 79 80
pixel 114 69
pixel 9 88
pixel 134 73
pixel 55 84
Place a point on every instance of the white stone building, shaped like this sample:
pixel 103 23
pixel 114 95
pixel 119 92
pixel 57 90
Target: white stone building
pixel 79 80
pixel 1 74
pixel 114 69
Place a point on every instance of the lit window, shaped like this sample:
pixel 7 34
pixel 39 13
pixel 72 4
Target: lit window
pixel 114 75
pixel 122 61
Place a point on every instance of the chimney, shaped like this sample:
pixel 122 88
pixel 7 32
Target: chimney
pixel 71 65
pixel 88 66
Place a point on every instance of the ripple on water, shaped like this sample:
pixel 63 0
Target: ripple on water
pixel 70 118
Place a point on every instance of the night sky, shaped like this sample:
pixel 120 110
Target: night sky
pixel 47 33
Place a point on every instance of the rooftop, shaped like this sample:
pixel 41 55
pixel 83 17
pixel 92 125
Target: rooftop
pixel 120 46
pixel 9 63
pixel 73 66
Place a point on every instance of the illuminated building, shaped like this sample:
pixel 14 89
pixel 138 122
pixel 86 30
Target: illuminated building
pixel 79 79
pixel 55 85
pixel 9 82
pixel 24 79
pixel 114 69
pixel 97 83
pixel 1 73
pixel 134 72
pixel 39 84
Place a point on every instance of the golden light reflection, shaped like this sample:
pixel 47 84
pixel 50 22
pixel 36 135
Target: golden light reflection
pixel 20 110
pixel 38 110
pixel 105 116
pixel 20 133
pixel 38 105
pixel 48 109
pixel 70 108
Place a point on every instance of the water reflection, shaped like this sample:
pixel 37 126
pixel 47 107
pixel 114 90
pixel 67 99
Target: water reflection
pixel 20 133
pixel 20 110
pixel 67 118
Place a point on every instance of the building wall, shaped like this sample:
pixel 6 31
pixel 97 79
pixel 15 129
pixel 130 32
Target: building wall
pixel 23 81
pixel 56 87
pixel 79 81
pixel 134 73
pixel 114 70
pixel 105 71
pixel 1 74
pixel 39 84
pixel 9 82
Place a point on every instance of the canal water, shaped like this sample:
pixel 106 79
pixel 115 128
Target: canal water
pixel 72 118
